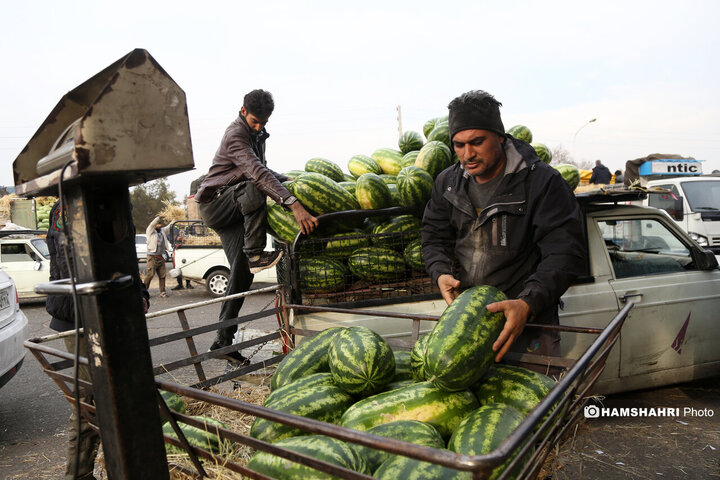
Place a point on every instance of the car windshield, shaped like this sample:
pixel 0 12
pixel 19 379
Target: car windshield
pixel 702 196
pixel 41 246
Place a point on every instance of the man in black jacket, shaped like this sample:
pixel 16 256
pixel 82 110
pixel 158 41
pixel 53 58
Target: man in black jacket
pixel 232 200
pixel 509 219
pixel 600 174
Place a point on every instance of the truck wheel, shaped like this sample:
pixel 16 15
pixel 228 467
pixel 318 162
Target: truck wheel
pixel 216 282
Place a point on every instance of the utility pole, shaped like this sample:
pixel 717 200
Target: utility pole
pixel 399 119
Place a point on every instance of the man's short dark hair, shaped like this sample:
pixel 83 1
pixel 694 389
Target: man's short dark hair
pixel 259 103
pixel 478 98
pixel 475 109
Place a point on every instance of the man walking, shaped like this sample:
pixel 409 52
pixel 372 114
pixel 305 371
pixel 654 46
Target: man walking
pixel 232 200
pixel 157 243
pixel 600 174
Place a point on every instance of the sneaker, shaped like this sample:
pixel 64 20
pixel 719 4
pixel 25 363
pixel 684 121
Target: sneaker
pixel 189 286
pixel 163 294
pixel 266 260
pixel 235 357
pixel 177 287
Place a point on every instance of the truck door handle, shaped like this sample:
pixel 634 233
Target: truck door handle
pixel 624 298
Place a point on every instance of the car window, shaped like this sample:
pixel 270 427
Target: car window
pixel 640 247
pixel 140 239
pixel 17 252
pixel 41 246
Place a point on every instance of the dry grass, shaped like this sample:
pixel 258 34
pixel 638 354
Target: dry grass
pixel 5 202
pixel 172 212
pixel 211 239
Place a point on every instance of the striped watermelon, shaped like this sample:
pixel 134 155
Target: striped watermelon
pixel 396 201
pixel 326 167
pixel 440 133
pixel 341 245
pixel 417 358
pixel 430 125
pixel 402 366
pixel 361 361
pixel 321 274
pixel 173 401
pixel 413 255
pixel 327 449
pixel 484 430
pixel 543 152
pixel 372 192
pixel 206 438
pixel 521 132
pixel 389 179
pixel 294 173
pixel 409 158
pixel 434 157
pixel 323 402
pixel 282 222
pixel 410 141
pixel 321 194
pixel 411 431
pixel 361 164
pixel 390 160
pixel 309 357
pixel 399 467
pixel 421 401
pixel 377 264
pixel 518 387
pixel 349 186
pixel 394 385
pixel 414 185
pixel 397 231
pixel 570 173
pixel 303 383
pixel 348 178
pixel 459 350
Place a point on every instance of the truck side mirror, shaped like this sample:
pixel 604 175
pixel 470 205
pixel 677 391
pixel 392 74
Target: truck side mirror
pixel 38 266
pixel 706 260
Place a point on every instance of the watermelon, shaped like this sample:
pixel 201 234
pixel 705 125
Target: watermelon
pixel 377 264
pixel 428 126
pixel 411 431
pixel 414 185
pixel 413 255
pixel 410 141
pixel 434 157
pixel 361 164
pixel 543 152
pixel 341 245
pixel 459 350
pixel 348 178
pixel 409 158
pixel 394 385
pixel 394 195
pixel 321 194
pixel 282 222
pixel 390 160
pixel 349 186
pixel 484 430
pixel 361 361
pixel 326 167
pixel 518 387
pixel 294 173
pixel 173 401
pixel 440 133
pixel 327 449
pixel 322 402
pixel 399 467
pixel 307 358
pixel 321 274
pixel 372 192
pixel 402 366
pixel 520 132
pixel 206 438
pixel 307 382
pixel 397 231
pixel 417 358
pixel 421 401
pixel 570 173
pixel 389 179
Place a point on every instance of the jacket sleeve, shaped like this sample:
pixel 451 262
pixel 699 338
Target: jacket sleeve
pixel 438 235
pixel 557 231
pixel 249 165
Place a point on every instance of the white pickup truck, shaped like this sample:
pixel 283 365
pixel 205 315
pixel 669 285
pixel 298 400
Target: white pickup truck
pixel 198 256
pixel 636 254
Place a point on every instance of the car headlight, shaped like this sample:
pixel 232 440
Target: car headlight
pixel 700 239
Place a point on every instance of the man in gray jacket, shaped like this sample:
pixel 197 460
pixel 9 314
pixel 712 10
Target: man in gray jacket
pixel 509 219
pixel 157 245
pixel 232 200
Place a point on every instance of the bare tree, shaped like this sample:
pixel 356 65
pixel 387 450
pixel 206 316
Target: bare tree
pixel 561 155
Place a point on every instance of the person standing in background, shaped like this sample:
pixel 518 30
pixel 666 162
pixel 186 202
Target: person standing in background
pixel 157 243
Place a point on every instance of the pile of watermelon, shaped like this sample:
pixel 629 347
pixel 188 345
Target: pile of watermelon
pixel 446 393
pixel 43 206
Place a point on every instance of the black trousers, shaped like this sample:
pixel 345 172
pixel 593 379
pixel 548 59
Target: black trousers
pixel 237 214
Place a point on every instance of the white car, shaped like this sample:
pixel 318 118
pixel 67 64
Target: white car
pixel 25 258
pixel 13 330
pixel 141 248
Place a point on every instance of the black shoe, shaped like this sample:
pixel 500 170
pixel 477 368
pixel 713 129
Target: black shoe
pixel 266 260
pixel 235 357
pixel 177 287
pixel 189 286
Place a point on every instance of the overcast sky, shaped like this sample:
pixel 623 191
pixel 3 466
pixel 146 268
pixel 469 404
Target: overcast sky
pixel 647 70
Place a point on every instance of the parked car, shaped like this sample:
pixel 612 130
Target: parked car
pixel 13 330
pixel 25 258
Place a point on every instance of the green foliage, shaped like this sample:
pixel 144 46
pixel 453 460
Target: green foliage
pixel 147 201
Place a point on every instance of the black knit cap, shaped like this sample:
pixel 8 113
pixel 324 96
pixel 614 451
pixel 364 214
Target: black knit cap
pixel 473 110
